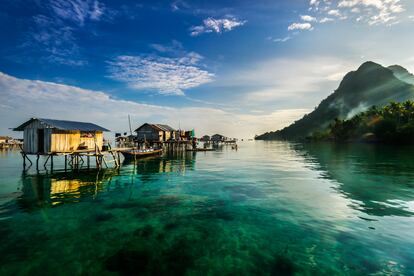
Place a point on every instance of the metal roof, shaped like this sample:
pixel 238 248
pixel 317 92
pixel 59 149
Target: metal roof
pixel 63 125
pixel 157 126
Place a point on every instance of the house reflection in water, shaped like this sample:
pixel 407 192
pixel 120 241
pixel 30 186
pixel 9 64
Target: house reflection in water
pixel 50 190
pixel 177 162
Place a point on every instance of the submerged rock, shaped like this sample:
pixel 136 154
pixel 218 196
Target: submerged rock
pixel 283 266
pixel 129 262
pixel 144 232
pixel 103 216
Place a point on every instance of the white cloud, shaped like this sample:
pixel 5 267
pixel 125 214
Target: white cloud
pixel 217 25
pixel 371 12
pixel 284 39
pixel 22 99
pixel 78 10
pixel 308 18
pixel 163 75
pixel 374 12
pixel 334 13
pixel 300 26
pixel 326 19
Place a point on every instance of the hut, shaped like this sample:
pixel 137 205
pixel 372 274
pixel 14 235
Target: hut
pixel 155 133
pixel 45 136
pixel 218 138
pixel 205 138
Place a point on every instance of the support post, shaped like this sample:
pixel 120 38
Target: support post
pixel 37 162
pixel 66 159
pixel 51 163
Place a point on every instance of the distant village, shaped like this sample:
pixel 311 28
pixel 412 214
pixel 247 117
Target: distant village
pixel 159 133
pixel 9 142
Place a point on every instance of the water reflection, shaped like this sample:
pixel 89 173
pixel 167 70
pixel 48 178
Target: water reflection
pixel 178 162
pixel 49 190
pixel 45 190
pixel 378 179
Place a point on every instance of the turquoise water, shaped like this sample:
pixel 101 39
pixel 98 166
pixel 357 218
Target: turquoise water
pixel 270 208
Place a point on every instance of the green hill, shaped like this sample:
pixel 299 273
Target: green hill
pixel 372 84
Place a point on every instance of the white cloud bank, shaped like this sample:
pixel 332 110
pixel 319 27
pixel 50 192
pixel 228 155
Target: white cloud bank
pixel 163 75
pixel 22 99
pixel 211 25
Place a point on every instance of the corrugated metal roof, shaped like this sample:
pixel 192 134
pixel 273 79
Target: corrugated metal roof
pixel 157 126
pixel 165 127
pixel 64 125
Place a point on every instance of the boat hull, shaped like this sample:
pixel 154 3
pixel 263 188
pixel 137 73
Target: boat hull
pixel 133 154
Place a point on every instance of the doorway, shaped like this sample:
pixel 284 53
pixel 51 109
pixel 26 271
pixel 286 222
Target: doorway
pixel 41 140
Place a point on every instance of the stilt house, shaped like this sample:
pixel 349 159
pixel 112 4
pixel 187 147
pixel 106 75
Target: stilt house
pixel 155 133
pixel 57 136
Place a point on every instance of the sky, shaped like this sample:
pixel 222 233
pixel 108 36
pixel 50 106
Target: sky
pixel 237 68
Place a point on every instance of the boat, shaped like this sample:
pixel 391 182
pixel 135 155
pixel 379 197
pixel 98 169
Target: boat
pixel 200 149
pixel 135 153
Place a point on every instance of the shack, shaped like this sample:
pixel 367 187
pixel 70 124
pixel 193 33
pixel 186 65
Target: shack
pixel 205 138
pixel 155 133
pixel 46 136
pixel 218 138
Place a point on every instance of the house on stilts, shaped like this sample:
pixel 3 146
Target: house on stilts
pixel 50 137
pixel 43 136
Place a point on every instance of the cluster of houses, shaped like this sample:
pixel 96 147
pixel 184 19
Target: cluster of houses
pixel 217 138
pixel 7 141
pixel 48 135
pixel 156 133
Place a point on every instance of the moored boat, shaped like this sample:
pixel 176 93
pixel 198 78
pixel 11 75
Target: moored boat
pixel 135 154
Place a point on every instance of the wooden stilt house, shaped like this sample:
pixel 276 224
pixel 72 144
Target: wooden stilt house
pixel 155 133
pixel 45 136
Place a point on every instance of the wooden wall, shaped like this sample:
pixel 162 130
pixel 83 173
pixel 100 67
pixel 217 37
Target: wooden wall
pixel 149 133
pixel 67 141
pixel 57 140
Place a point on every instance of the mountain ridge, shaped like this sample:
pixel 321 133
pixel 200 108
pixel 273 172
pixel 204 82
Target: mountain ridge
pixel 371 84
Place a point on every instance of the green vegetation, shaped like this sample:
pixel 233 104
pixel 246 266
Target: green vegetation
pixel 393 123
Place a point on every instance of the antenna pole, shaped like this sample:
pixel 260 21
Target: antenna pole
pixel 129 120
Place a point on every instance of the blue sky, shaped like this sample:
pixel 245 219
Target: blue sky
pixel 235 67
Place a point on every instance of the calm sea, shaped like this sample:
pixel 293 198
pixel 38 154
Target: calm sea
pixel 269 208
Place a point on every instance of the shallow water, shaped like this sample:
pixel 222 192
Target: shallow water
pixel 269 208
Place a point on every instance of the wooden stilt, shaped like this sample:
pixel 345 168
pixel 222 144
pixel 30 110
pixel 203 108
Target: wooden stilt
pixel 51 163
pixel 37 162
pixel 66 159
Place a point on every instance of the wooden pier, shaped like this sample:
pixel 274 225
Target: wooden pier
pixel 77 159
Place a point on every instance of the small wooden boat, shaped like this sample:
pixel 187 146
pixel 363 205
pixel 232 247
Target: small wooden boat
pixel 201 149
pixel 135 154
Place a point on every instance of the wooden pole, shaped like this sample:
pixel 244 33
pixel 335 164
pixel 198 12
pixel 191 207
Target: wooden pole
pixel 37 162
pixel 51 163
pixel 66 163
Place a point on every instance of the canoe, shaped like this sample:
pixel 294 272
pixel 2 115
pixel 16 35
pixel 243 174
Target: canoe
pixel 135 154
